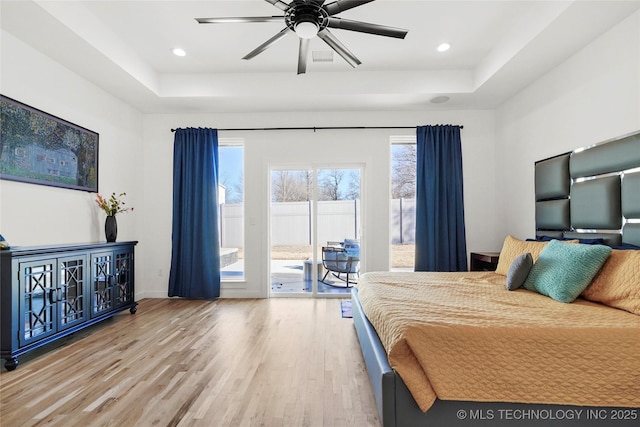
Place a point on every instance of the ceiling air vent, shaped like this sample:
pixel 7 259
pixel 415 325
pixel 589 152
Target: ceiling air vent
pixel 322 55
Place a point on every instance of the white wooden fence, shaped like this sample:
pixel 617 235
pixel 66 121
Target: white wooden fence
pixel 337 220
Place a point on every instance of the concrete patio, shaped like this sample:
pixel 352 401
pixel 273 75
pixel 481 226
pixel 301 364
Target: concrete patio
pixel 288 276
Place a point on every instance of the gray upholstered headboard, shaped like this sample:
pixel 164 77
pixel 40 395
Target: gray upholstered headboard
pixel 591 193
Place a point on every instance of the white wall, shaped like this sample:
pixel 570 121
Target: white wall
pixel 591 97
pixel 323 148
pixel 37 215
pixel 135 157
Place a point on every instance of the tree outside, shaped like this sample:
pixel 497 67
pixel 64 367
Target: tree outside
pixel 297 185
pixel 403 171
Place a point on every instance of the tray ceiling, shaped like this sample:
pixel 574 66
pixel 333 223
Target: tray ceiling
pixel 125 47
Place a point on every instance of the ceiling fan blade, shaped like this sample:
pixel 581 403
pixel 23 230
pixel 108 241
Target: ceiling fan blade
pixel 267 44
pixel 366 27
pixel 303 54
pixel 240 19
pixel 342 5
pixel 279 4
pixel 340 49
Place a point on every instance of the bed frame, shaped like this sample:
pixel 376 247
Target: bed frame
pixel 565 203
pixel 397 408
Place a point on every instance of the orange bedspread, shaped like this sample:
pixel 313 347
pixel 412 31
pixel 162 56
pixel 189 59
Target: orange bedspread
pixel 463 336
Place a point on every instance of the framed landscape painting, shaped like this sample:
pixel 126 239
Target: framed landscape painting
pixel 39 148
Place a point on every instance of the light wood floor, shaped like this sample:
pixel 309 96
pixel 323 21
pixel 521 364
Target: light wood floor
pixel 268 362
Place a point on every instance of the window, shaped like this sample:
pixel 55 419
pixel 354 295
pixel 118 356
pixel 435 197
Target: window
pixel 231 207
pixel 403 202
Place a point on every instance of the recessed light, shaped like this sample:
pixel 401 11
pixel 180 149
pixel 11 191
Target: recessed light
pixel 439 99
pixel 179 52
pixel 443 47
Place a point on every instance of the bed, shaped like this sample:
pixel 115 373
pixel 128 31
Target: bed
pixel 460 349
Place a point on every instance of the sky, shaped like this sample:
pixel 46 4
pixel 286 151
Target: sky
pixel 230 163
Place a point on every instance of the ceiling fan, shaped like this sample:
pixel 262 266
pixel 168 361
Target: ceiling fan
pixel 310 18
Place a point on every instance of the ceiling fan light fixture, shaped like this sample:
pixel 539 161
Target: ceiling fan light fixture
pixel 306 29
pixel 313 18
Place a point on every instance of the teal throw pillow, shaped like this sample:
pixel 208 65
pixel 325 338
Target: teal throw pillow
pixel 519 270
pixel 564 270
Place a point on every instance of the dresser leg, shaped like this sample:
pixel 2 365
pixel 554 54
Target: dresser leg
pixel 11 363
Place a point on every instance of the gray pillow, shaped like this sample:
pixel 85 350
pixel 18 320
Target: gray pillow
pixel 519 271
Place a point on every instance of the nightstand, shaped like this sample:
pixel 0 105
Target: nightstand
pixel 484 261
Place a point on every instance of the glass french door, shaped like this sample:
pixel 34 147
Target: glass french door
pixel 314 211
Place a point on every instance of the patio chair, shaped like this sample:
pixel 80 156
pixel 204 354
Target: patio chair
pixel 344 259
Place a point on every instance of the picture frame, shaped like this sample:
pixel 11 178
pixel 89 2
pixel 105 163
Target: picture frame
pixel 40 148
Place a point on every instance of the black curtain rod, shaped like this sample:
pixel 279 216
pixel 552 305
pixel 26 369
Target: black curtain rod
pixel 323 128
